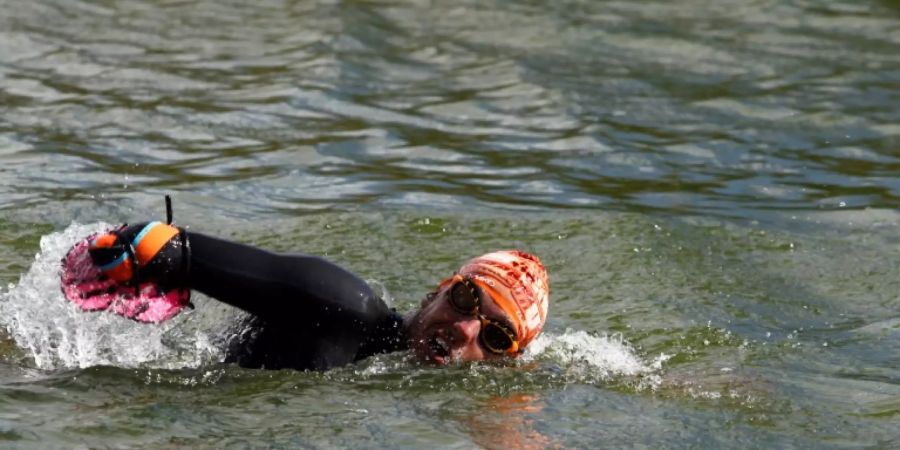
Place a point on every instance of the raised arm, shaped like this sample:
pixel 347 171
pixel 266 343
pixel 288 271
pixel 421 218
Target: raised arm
pixel 277 288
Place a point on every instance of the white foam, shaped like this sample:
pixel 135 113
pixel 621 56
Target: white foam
pixel 590 356
pixel 56 334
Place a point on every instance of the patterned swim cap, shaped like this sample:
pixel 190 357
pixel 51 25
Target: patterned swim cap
pixel 520 287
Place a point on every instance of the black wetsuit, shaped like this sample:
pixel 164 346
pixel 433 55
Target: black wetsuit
pixel 307 313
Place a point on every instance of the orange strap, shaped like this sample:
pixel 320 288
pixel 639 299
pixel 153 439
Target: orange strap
pixel 154 240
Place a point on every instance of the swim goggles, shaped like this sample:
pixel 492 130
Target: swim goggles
pixel 497 337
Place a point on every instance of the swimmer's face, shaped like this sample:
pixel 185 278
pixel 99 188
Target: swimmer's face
pixel 440 334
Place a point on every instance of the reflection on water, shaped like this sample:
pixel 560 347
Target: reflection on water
pixel 503 422
pixel 727 108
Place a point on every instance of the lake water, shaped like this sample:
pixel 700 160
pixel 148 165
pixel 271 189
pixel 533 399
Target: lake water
pixel 713 185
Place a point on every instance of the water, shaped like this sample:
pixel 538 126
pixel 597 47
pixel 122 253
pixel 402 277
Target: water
pixel 714 187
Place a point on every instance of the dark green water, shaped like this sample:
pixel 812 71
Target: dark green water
pixel 713 186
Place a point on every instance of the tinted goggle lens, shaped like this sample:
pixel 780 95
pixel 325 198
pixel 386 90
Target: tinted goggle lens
pixel 464 298
pixel 496 338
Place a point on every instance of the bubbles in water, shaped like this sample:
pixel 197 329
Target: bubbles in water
pixel 592 357
pixel 55 334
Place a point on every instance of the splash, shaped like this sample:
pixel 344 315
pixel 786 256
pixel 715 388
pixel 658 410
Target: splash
pixel 551 360
pixel 55 334
pixel 385 294
pixel 584 356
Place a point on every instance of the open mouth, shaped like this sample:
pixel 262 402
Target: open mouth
pixel 439 349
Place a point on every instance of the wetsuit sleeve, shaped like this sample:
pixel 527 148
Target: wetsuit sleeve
pixel 279 288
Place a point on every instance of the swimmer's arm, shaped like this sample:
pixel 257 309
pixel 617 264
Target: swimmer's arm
pixel 280 288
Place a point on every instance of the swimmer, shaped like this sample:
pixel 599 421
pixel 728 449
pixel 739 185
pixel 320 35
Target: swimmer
pixel 308 313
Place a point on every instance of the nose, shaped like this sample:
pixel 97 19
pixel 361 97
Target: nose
pixel 466 330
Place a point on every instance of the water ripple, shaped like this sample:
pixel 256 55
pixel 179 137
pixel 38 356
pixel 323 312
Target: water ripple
pixel 732 108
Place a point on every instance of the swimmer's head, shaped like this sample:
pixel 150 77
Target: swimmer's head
pixel 492 307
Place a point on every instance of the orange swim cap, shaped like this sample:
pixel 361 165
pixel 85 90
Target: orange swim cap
pixel 518 283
